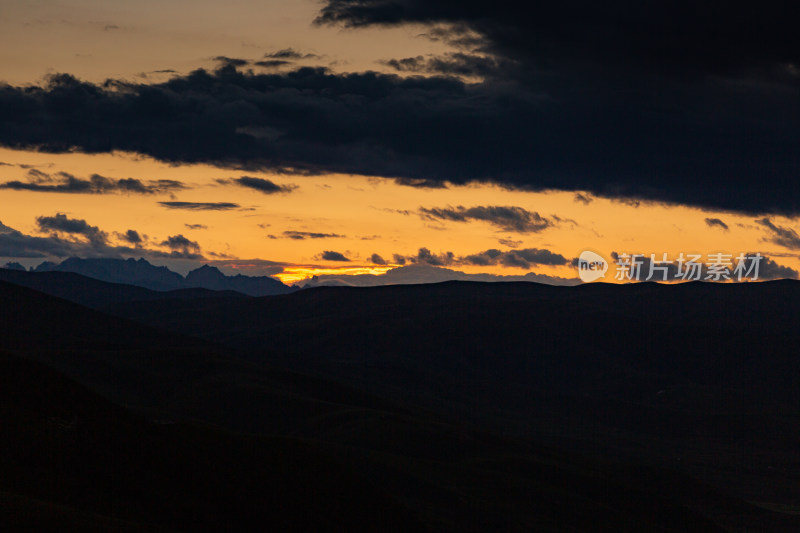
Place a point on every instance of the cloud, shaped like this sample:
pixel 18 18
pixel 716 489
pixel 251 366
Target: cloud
pixel 131 237
pixel 507 218
pixel 424 255
pixel 259 184
pixel 516 258
pixel 181 243
pixel 200 206
pixel 376 259
pixel 232 61
pixel 511 243
pixel 782 236
pixel 585 199
pixel 769 269
pixel 61 223
pixel 16 244
pixel 420 183
pixel 711 222
pixel 62 243
pixel 450 64
pixel 196 226
pixel 624 73
pixel 525 258
pixel 582 102
pixel 272 63
pixel 330 255
pixel 64 182
pixel 289 53
pixel 301 235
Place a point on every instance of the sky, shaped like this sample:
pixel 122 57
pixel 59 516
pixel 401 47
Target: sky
pixel 380 141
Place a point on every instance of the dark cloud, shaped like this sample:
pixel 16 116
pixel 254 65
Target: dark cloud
pixel 376 259
pixel 669 38
pixel 179 242
pixel 511 243
pixel 583 198
pixel 451 64
pixel 301 235
pixel 508 218
pixel 782 236
pixel 425 256
pixel 272 63
pixel 330 255
pixel 688 102
pixel 231 61
pixel 37 176
pixel 61 223
pixel 131 237
pixel 201 206
pixel 289 53
pixel 769 269
pixel 259 184
pixel 524 258
pixel 63 182
pixel 692 80
pixel 420 183
pixel 15 244
pixel 711 222
pixel 196 226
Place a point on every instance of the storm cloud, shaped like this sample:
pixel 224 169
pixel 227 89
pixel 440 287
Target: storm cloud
pixel 695 103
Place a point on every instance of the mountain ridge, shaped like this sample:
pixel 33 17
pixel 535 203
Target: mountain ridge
pixel 141 273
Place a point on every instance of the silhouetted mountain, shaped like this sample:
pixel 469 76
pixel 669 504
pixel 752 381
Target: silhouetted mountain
pixel 315 455
pixel 97 294
pixel 142 274
pixel 14 266
pixel 130 272
pixel 211 278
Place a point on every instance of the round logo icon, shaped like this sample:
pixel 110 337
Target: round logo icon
pixel 591 266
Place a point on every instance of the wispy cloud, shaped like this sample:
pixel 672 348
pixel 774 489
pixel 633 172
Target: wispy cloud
pixel 200 206
pixel 508 218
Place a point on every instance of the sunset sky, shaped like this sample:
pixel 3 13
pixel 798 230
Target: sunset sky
pixel 349 137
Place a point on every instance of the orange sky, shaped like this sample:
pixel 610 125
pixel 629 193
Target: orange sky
pixel 95 40
pixel 365 215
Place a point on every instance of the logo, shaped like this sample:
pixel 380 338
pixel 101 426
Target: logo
pixel 591 266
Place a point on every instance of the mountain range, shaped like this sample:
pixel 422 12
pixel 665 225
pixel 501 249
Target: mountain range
pixel 141 273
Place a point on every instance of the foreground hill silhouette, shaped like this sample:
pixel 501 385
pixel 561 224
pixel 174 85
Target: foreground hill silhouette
pixel 702 376
pixel 198 413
